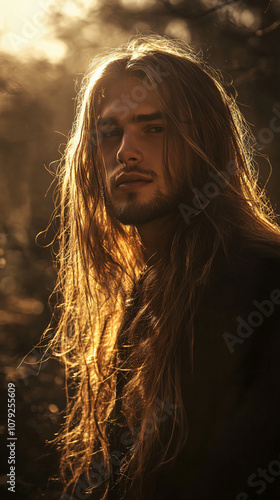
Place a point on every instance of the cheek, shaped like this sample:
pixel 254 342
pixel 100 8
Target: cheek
pixel 156 158
pixel 109 157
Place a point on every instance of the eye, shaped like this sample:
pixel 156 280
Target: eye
pixel 110 133
pixel 156 129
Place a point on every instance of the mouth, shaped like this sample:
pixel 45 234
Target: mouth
pixel 132 180
pixel 132 185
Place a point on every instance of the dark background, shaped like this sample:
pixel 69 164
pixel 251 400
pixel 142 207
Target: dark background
pixel 37 101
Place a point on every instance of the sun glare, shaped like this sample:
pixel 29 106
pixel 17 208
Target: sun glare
pixel 26 28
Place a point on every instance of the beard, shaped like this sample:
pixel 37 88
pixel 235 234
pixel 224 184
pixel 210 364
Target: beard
pixel 135 212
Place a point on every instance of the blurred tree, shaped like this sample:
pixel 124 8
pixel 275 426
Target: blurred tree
pixel 240 37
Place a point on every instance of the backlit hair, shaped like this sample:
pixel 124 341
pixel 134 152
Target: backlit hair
pixel 100 261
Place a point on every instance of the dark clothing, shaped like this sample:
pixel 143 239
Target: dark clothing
pixel 232 399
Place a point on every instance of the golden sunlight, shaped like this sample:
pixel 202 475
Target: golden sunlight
pixel 28 29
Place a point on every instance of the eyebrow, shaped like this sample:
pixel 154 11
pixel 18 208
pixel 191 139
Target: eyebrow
pixel 133 119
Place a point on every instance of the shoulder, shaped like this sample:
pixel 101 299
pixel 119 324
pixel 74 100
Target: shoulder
pixel 259 257
pixel 246 271
pixel 240 306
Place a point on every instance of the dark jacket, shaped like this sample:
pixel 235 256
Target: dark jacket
pixel 232 398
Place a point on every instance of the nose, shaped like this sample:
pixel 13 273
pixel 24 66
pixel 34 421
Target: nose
pixel 128 151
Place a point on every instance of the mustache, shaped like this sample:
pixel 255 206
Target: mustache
pixel 135 169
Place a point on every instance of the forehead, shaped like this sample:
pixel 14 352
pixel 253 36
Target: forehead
pixel 128 96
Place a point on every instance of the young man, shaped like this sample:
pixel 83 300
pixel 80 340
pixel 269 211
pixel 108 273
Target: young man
pixel 170 287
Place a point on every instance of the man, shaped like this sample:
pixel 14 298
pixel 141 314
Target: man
pixel 170 287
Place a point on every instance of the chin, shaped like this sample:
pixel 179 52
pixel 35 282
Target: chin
pixel 141 217
pixel 138 212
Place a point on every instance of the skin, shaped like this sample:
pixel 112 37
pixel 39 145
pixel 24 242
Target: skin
pixel 140 146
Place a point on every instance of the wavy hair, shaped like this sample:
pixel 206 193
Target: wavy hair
pixel 99 334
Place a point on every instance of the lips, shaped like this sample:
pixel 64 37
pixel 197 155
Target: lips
pixel 131 177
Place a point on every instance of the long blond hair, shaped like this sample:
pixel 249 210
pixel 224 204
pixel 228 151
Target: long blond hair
pixel 100 262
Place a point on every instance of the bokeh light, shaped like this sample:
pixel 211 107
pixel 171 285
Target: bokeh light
pixel 45 47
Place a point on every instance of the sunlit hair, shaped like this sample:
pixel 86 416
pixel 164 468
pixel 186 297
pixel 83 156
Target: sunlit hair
pixel 100 261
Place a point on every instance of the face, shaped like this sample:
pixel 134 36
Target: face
pixel 131 131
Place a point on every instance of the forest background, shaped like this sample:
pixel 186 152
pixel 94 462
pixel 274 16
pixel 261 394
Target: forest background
pixel 45 47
